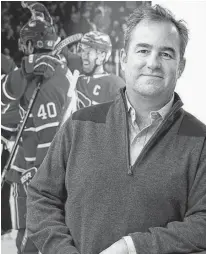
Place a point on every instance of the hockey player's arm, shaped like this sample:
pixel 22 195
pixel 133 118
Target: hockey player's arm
pixel 10 120
pixel 11 116
pixel 74 61
pixel 38 65
pixel 12 87
pixel 46 199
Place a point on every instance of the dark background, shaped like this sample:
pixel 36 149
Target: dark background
pixel 69 18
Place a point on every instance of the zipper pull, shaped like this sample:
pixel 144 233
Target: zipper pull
pixel 130 171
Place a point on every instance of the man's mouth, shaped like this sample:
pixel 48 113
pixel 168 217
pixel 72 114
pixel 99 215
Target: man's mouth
pixel 85 63
pixel 153 75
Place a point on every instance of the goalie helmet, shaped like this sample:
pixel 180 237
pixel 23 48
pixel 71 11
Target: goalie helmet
pixel 39 29
pixel 99 41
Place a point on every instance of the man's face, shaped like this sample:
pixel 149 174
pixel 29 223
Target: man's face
pixel 152 61
pixel 89 56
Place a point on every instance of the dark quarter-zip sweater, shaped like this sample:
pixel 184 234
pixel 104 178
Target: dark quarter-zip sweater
pixel 84 196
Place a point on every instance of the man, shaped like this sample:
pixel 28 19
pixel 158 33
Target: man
pixel 128 176
pixel 37 40
pixel 96 85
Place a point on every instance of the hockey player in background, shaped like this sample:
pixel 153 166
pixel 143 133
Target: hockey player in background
pixel 37 39
pixel 96 85
pixel 7 129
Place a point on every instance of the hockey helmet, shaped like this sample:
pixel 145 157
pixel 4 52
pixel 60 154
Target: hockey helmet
pixel 99 41
pixel 39 29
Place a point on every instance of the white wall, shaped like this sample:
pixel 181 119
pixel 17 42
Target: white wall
pixel 192 85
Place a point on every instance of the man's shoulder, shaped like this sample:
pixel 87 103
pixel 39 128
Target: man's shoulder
pixel 191 126
pixel 96 113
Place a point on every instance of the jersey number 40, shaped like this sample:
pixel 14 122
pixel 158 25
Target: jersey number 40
pixel 47 111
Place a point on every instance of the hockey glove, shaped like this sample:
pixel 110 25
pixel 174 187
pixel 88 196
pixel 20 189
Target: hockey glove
pixel 27 177
pixel 40 65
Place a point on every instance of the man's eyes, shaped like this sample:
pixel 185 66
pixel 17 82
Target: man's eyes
pixel 164 55
pixel 142 51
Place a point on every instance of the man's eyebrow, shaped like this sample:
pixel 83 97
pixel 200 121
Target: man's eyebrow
pixel 143 45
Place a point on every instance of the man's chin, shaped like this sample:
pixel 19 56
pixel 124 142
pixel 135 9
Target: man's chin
pixel 87 70
pixel 149 91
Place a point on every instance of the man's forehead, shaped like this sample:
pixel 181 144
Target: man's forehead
pixel 161 34
pixel 153 29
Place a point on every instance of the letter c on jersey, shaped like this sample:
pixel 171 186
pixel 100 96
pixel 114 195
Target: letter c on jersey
pixel 95 90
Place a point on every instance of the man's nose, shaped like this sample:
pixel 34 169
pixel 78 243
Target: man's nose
pixel 153 61
pixel 83 54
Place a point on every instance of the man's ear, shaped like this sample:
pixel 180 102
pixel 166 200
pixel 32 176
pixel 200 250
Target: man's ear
pixel 181 67
pixel 101 58
pixel 123 58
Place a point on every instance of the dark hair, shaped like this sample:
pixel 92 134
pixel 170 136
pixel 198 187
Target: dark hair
pixel 156 13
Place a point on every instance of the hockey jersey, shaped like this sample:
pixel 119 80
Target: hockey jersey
pixel 7 66
pixel 44 118
pixel 10 116
pixel 97 89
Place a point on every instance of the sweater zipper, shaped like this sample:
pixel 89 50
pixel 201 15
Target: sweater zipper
pixel 130 168
pixel 155 135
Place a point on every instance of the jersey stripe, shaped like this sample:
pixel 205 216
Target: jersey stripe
pixel 21 170
pixel 42 127
pixel 9 129
pixel 5 92
pixel 30 158
pixel 2 76
pixel 95 102
pixel 5 140
pixel 44 145
pixel 101 75
pixel 3 104
pixel 16 213
pixel 46 64
pixel 6 107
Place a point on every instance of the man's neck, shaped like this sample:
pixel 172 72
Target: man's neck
pixel 144 105
pixel 99 70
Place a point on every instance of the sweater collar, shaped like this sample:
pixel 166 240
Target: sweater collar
pixel 176 101
pixel 154 114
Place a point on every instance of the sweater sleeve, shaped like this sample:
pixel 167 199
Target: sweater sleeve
pixel 46 198
pixel 187 236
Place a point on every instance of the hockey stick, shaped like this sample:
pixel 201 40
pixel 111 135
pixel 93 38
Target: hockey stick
pixel 71 107
pixel 69 40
